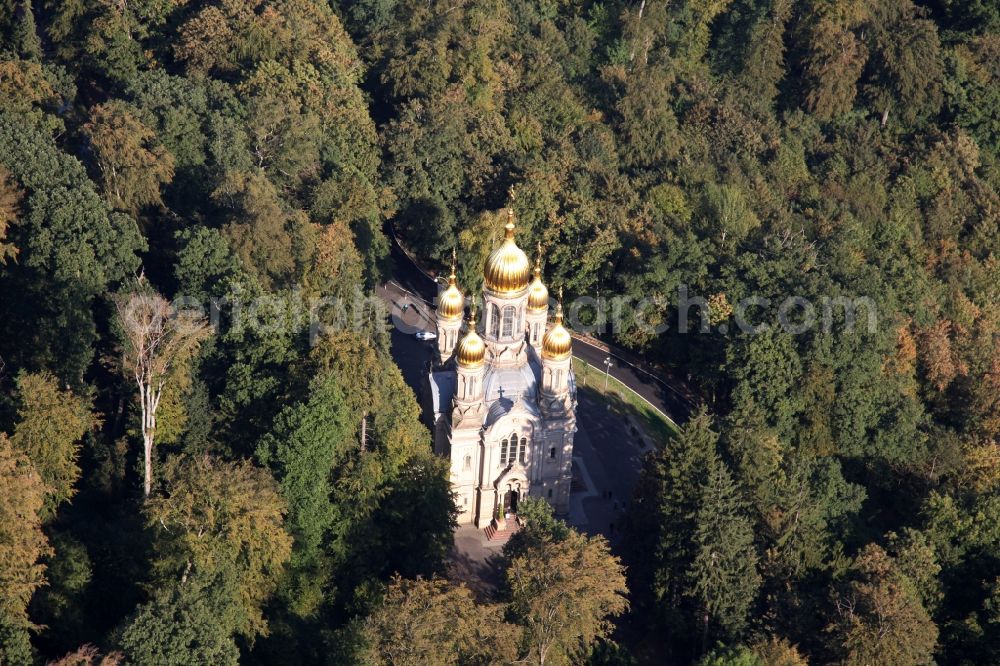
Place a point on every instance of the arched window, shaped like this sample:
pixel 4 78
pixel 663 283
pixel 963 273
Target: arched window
pixel 522 451
pixel 552 452
pixel 503 451
pixel 467 465
pixel 507 330
pixel 495 321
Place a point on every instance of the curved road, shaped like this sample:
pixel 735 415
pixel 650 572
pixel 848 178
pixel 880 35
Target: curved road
pixel 654 388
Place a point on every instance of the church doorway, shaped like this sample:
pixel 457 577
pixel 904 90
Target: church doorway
pixel 510 500
pixel 510 492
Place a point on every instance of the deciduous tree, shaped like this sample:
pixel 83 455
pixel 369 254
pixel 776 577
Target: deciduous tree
pixel 22 542
pixel 435 623
pixel 155 341
pixel 51 423
pixel 180 626
pixel 564 594
pixel 221 523
pixel 878 615
pixel 133 164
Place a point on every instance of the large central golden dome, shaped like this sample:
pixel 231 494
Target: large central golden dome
pixel 507 268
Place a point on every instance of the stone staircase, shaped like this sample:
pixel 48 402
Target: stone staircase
pixel 499 536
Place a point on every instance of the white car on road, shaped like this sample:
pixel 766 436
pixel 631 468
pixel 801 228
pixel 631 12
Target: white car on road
pixel 426 335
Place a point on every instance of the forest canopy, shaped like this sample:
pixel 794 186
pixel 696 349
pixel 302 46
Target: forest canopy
pixel 238 494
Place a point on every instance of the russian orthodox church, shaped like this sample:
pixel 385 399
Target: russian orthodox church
pixel 503 393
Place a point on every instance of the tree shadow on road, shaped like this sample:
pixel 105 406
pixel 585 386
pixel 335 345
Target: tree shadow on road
pixel 646 427
pixel 480 569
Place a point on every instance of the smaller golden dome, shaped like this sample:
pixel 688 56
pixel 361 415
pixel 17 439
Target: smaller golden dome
pixel 538 293
pixel 507 268
pixel 451 303
pixel 557 344
pixel 471 350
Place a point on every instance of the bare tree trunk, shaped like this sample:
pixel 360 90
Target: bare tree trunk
pixel 147 450
pixel 642 8
pixel 156 340
pixel 149 398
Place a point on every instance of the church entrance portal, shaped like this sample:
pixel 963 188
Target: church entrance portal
pixel 510 501
pixel 510 497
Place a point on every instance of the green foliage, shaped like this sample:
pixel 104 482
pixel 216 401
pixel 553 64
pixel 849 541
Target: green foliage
pixel 538 525
pixel 906 67
pixel 763 65
pixel 15 643
pixel 177 627
pixel 308 442
pixel 879 618
pixel 205 265
pixel 724 570
pixel 71 247
pixel 730 656
pixel 60 604
pixel 222 522
pixel 564 593
pixel 24 33
pixel 411 532
pixel 51 423
pixel 246 151
pixel 662 516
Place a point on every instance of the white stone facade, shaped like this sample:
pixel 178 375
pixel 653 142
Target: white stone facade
pixel 507 425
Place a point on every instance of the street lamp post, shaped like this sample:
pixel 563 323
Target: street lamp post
pixel 607 371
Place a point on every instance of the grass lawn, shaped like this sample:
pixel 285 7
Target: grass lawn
pixel 625 401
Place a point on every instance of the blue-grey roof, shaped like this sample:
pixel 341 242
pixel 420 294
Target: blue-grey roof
pixel 518 384
pixel 515 382
pixel 442 386
pixel 498 410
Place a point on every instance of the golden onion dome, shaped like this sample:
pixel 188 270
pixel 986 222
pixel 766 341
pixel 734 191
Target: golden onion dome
pixel 507 268
pixel 451 303
pixel 557 344
pixel 538 294
pixel 471 350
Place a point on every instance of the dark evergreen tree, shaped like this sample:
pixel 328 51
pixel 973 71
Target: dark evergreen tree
pixel 724 573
